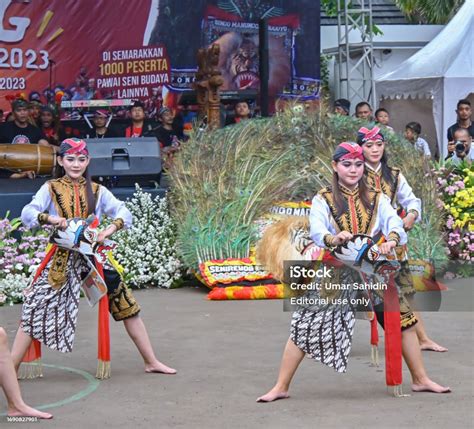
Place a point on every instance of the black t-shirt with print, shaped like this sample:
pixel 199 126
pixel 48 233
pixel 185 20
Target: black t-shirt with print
pixel 10 132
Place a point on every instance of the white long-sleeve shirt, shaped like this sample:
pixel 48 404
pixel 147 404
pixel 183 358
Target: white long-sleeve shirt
pixel 107 205
pixel 406 197
pixel 404 194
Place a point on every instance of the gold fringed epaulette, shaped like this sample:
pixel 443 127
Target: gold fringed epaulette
pixel 326 190
pixel 119 224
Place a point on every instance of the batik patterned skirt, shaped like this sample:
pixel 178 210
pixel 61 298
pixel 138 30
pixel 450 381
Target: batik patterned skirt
pixel 324 331
pixel 50 315
pixel 325 335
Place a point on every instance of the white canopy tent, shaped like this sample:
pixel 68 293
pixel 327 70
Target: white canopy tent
pixel 441 72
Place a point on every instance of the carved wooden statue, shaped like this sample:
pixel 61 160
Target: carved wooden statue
pixel 208 82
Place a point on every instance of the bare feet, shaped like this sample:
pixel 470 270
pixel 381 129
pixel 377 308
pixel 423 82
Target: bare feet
pixel 430 345
pixel 26 411
pixel 429 386
pixel 158 367
pixel 273 395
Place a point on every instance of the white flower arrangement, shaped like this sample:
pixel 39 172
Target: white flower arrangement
pixel 11 288
pixel 147 250
pixel 21 251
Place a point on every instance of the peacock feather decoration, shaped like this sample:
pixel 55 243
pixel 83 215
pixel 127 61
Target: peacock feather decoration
pixel 223 181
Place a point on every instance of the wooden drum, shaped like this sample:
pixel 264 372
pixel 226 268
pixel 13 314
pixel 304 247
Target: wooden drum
pixel 27 157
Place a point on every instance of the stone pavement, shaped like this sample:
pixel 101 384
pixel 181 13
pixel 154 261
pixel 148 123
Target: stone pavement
pixel 227 354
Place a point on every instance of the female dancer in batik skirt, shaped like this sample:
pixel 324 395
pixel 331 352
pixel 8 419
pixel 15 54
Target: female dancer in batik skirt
pixel 393 183
pixel 348 207
pixel 50 308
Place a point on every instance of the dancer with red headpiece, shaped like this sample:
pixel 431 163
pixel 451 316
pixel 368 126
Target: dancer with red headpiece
pixel 393 183
pixel 339 212
pixel 51 304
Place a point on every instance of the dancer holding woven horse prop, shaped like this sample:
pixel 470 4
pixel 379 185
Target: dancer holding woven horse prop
pixel 393 183
pixel 263 163
pixel 339 213
pixel 50 309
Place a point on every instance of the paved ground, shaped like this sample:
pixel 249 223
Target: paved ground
pixel 227 354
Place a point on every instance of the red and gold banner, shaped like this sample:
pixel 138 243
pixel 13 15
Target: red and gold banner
pixel 64 43
pixel 146 49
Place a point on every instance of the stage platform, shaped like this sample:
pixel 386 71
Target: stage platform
pixel 15 194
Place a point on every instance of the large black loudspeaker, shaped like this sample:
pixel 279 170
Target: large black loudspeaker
pixel 125 161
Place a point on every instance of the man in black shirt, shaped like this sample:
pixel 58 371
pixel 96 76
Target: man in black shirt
pixel 139 126
pixel 20 131
pixel 167 136
pixel 464 112
pixel 241 113
pixel 165 133
pixel 100 130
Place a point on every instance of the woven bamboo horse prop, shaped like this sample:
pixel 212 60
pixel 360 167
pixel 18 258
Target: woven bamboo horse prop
pixel 289 240
pixel 27 157
pixel 80 236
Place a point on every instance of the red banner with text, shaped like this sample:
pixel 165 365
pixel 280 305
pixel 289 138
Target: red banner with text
pixel 146 49
pixel 88 48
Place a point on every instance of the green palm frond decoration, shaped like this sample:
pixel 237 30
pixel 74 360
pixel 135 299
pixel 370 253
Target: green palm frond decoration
pixel 430 11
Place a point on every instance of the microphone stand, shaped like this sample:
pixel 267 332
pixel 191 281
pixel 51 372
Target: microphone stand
pixel 51 64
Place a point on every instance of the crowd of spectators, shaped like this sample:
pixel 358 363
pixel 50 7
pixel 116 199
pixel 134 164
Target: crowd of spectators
pixel 37 123
pixel 34 123
pixel 459 137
